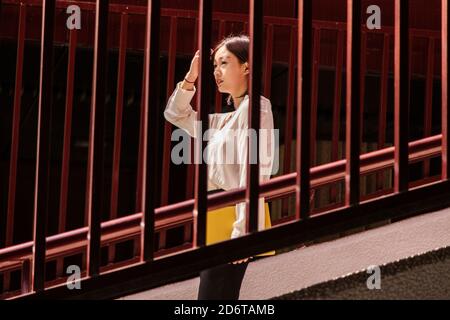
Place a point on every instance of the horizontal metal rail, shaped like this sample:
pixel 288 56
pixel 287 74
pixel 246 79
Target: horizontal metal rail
pixel 124 228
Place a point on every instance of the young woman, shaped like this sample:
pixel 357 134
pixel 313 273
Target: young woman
pixel 231 73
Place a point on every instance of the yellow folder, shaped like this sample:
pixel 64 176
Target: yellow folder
pixel 220 224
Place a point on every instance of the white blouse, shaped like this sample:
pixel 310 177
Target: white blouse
pixel 222 173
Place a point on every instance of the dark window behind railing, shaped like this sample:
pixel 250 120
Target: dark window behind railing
pixel 312 48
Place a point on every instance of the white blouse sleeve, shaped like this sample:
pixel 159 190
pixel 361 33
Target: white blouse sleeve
pixel 266 126
pixel 180 113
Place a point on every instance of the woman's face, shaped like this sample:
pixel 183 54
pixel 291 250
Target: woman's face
pixel 231 76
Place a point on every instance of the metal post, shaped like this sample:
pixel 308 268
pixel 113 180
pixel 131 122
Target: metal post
pixel 304 87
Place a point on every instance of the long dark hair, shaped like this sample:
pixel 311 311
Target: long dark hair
pixel 237 45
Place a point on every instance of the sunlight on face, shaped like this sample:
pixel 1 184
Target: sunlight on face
pixel 229 73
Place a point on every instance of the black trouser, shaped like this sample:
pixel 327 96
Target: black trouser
pixel 222 282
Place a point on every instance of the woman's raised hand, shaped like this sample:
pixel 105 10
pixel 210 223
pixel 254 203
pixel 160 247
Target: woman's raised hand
pixel 192 74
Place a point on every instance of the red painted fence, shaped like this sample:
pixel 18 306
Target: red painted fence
pixel 127 27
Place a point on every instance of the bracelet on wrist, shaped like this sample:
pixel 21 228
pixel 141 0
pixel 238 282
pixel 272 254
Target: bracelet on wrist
pixel 188 80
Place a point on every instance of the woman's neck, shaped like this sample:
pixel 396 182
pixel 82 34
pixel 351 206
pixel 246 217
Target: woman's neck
pixel 238 99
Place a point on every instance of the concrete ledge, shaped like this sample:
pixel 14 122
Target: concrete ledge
pixel 424 276
pixel 305 267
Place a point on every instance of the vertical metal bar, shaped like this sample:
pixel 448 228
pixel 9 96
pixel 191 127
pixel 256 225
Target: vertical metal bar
pixel 25 277
pixel 162 239
pixel 383 103
pixel 254 113
pixel 42 180
pixel 353 96
pixel 337 105
pixel 95 181
pixel 445 90
pixel 187 232
pixel 136 247
pixel 428 114
pixel 190 174
pixel 142 153
pixel 15 127
pixel 268 61
pixel 152 106
pixel 140 181
pixel 289 112
pixel 167 125
pixel 67 131
pixel 315 92
pixel 119 113
pixel 362 77
pixel 401 105
pixel 65 165
pixel 204 93
pixel 118 125
pixel 218 107
pixel 304 79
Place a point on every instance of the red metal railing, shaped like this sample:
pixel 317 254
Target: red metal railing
pixel 141 227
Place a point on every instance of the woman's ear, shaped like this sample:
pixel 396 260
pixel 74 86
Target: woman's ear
pixel 246 68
